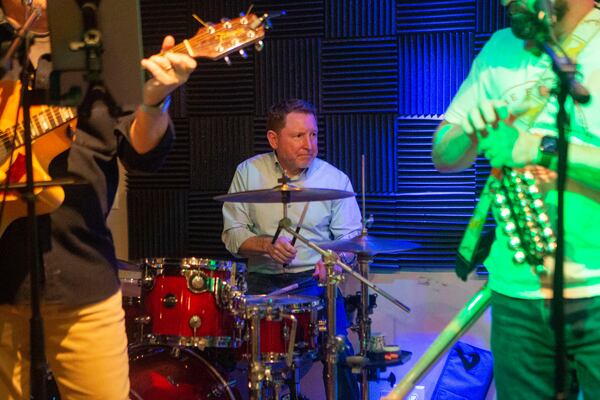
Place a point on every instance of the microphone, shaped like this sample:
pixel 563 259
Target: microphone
pixel 544 10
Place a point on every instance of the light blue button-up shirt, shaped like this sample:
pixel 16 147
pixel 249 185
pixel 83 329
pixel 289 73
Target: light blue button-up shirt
pixel 324 220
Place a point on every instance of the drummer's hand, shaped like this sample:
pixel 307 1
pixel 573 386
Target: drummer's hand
pixel 321 271
pixel 282 250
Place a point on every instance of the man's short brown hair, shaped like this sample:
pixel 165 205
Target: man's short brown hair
pixel 278 112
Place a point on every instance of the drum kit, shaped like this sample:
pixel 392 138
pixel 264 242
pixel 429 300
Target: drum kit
pixel 195 334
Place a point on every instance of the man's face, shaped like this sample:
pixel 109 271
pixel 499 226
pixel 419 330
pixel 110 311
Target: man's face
pixel 296 144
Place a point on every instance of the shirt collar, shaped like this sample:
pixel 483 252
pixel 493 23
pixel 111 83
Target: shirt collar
pixel 302 174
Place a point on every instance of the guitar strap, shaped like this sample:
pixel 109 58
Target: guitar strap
pixel 471 250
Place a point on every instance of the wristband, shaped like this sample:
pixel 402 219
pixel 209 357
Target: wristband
pixel 157 109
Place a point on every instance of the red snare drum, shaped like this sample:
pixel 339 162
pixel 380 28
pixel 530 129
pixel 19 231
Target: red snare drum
pixel 190 301
pixel 165 373
pixel 276 326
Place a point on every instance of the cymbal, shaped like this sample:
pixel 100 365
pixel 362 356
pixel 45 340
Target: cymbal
pixel 366 244
pixel 284 194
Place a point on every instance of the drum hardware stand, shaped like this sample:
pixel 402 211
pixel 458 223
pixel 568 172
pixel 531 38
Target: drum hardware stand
pixel 289 360
pixel 364 323
pixel 256 373
pixel 293 381
pixel 333 344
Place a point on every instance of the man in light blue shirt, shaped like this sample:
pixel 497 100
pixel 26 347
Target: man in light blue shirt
pixel 249 227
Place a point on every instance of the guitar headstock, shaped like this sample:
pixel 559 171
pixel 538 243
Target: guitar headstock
pixel 217 41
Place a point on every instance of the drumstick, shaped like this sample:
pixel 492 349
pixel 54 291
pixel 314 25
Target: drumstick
pixel 300 221
pixel 301 284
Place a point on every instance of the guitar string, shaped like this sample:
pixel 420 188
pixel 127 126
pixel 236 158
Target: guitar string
pixel 59 115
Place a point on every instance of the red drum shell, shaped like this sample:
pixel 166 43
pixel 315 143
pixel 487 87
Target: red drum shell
pixel 180 294
pixel 166 373
pixel 274 329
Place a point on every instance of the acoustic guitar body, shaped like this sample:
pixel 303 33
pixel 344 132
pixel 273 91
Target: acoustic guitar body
pixel 51 134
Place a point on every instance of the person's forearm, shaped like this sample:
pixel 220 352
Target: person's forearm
pixel 452 150
pixel 147 130
pixel 255 246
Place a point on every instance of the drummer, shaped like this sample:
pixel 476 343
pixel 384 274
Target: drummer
pixel 248 231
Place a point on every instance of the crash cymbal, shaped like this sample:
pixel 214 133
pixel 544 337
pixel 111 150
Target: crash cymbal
pixel 284 194
pixel 366 244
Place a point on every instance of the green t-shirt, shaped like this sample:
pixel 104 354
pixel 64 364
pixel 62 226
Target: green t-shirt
pixel 505 70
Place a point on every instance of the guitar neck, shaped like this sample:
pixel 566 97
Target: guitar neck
pixel 217 41
pixel 41 123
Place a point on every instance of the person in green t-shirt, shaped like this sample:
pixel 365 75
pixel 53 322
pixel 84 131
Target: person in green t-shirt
pixel 506 111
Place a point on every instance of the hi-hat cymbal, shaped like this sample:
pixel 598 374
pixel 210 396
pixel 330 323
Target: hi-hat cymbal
pixel 284 194
pixel 366 244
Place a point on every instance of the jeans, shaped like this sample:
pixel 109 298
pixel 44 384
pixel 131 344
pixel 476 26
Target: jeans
pixel 265 283
pixel 523 347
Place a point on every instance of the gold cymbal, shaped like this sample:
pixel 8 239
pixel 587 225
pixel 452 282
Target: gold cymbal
pixel 284 194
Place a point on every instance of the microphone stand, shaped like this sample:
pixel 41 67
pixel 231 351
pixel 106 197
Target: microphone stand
pixel 565 69
pixel 34 256
pixel 92 45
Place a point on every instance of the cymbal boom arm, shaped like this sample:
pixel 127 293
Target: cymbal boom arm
pixel 285 224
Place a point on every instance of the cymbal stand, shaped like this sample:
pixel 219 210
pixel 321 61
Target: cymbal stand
pixel 333 343
pixel 364 322
pixel 331 259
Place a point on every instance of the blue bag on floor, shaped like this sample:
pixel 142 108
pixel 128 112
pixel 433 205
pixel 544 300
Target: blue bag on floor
pixel 467 374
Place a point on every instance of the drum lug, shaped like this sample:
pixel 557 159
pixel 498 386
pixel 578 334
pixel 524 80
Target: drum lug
pixel 321 326
pixel 141 321
pixel 169 300
pixel 147 279
pixel 195 323
pixel 197 282
pixel 176 352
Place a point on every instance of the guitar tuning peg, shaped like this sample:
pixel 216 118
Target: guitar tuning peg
pixel 243 53
pixel 227 60
pixel 258 46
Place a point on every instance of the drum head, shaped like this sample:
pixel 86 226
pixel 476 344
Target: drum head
pixel 167 373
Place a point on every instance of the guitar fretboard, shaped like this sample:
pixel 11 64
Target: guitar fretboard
pixel 41 123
